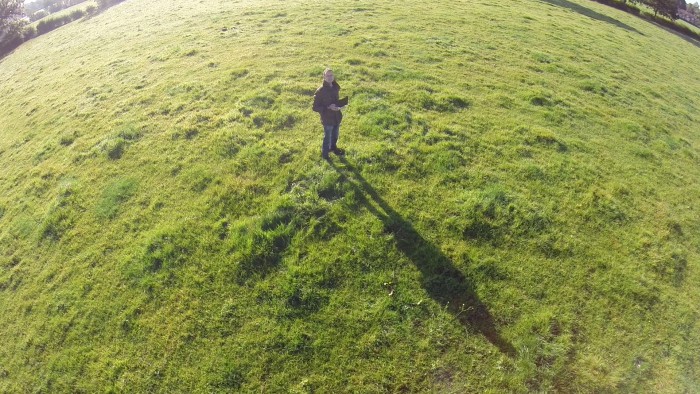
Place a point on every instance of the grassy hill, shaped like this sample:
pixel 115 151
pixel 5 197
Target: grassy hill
pixel 517 211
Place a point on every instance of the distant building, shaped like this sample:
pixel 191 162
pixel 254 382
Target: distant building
pixel 42 13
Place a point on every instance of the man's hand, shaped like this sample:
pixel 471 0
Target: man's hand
pixel 333 107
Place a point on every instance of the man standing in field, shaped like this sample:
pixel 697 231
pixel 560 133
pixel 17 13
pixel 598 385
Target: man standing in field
pixel 325 101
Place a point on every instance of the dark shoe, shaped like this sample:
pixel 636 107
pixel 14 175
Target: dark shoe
pixel 338 151
pixel 325 156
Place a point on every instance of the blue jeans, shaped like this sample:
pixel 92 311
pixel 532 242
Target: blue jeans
pixel 330 138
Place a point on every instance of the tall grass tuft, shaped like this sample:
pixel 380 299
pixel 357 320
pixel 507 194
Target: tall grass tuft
pixel 117 193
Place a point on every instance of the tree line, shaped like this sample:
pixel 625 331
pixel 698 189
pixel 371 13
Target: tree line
pixel 43 8
pixel 689 12
pixel 14 20
pixel 670 8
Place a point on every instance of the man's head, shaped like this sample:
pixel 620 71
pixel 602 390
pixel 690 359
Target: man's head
pixel 328 76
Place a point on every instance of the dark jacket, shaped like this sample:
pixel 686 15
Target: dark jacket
pixel 325 96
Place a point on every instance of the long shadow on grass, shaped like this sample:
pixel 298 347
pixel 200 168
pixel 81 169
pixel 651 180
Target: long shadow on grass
pixel 590 13
pixel 440 278
pixel 681 35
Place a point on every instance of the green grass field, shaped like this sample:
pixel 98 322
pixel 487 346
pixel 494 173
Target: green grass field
pixel 517 210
